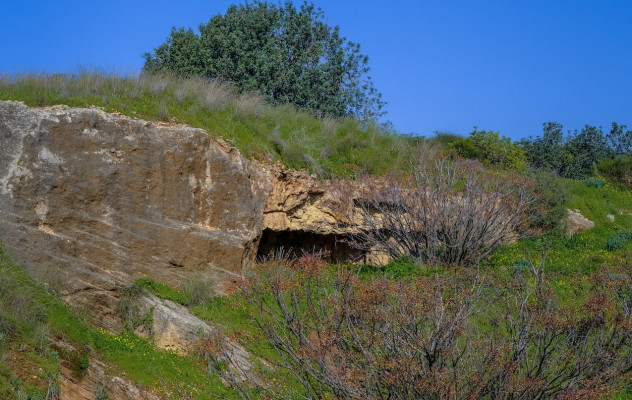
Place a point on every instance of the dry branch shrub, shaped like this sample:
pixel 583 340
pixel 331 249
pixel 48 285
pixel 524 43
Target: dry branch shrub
pixel 452 335
pixel 445 210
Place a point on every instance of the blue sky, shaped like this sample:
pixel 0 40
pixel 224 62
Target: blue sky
pixel 444 65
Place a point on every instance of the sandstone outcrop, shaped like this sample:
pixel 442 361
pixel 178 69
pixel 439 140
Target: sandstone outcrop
pixel 103 199
pixel 298 216
pixel 97 200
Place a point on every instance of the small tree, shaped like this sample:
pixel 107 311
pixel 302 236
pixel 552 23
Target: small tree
pixel 290 55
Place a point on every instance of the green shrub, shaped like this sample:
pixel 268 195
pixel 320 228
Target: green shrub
pixel 618 240
pixel 466 149
pixel 446 140
pixel 128 310
pixel 617 170
pixel 101 392
pixel 548 212
pixel 595 182
pixel 495 149
pixel 520 266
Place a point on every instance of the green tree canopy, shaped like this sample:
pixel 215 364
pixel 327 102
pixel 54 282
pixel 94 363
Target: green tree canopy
pixel 576 155
pixel 290 55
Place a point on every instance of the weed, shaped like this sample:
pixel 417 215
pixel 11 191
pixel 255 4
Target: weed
pixel 101 392
pixel 197 288
pixel 618 240
pixel 128 310
pixel 594 182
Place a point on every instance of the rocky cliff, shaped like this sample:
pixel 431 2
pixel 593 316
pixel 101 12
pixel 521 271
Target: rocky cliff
pixel 97 200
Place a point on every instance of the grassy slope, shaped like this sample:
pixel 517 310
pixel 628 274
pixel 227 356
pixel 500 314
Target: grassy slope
pixel 29 362
pixel 326 147
pixel 585 252
pixel 271 133
pixel 571 259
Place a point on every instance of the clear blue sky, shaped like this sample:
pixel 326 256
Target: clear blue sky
pixel 441 65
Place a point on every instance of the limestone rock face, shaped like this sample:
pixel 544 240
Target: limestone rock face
pixel 174 327
pixel 299 216
pixel 298 202
pixel 102 199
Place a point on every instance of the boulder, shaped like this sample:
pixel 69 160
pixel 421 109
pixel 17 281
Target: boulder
pixel 577 223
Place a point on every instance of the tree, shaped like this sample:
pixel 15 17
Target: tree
pixel 290 55
pixel 575 155
pixel 620 139
pixel 548 152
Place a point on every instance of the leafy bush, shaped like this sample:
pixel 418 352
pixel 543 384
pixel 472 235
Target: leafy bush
pixel 575 155
pixel 548 212
pixel 492 149
pixel 520 266
pixel 618 240
pixel 446 140
pixel 595 182
pixel 618 170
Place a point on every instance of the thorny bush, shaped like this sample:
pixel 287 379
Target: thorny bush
pixel 447 210
pixel 452 335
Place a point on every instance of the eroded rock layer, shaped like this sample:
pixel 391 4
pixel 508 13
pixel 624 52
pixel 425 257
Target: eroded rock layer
pixel 97 200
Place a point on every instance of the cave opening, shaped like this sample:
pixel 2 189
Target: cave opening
pixel 298 242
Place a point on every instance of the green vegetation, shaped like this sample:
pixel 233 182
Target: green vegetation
pixel 595 182
pixel 492 149
pixel 618 170
pixel 195 290
pixel 576 155
pixel 585 252
pixel 32 322
pixel 618 240
pixel 162 291
pixel 327 147
pixel 289 55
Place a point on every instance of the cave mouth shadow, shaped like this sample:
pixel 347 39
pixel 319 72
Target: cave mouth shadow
pixel 297 243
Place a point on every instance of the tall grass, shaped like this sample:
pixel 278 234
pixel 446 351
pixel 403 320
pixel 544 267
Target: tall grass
pixel 293 136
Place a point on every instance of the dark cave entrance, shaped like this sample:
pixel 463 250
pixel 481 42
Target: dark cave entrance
pixel 297 242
